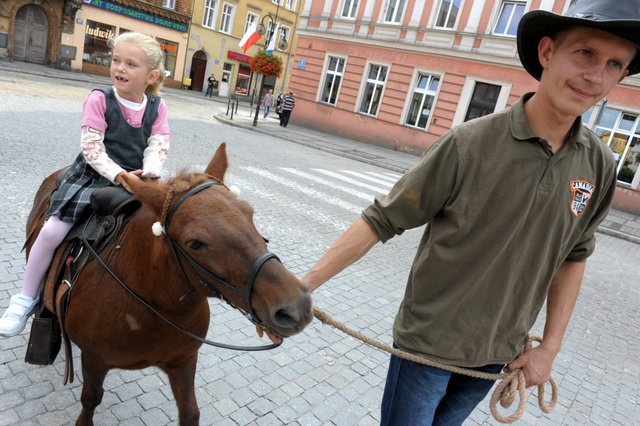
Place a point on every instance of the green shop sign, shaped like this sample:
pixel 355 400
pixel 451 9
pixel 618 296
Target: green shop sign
pixel 137 14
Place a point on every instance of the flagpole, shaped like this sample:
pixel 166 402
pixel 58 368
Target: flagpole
pixel 260 79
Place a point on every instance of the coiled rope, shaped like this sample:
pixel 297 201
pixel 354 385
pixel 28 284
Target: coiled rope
pixel 505 393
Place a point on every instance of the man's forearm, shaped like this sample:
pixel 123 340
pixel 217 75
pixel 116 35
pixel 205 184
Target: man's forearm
pixel 351 246
pixel 561 300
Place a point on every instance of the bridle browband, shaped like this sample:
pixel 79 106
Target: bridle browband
pixel 203 273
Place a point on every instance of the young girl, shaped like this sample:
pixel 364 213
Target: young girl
pixel 124 131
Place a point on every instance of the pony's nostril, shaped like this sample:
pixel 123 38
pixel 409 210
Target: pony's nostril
pixel 286 317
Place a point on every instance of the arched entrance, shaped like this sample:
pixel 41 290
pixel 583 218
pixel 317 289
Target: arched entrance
pixel 30 39
pixel 198 68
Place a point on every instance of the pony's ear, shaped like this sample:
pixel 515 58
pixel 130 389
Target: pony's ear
pixel 218 164
pixel 151 193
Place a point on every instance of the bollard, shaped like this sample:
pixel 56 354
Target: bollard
pixel 237 102
pixel 228 102
pixel 232 108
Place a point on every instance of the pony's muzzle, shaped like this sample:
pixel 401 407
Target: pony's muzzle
pixel 292 317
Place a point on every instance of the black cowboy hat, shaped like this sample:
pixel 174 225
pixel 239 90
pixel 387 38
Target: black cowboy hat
pixel 618 17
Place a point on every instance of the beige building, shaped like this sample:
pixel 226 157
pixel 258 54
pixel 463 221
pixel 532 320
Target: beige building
pixel 216 30
pixel 74 33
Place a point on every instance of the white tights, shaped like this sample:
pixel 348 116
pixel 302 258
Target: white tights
pixel 51 235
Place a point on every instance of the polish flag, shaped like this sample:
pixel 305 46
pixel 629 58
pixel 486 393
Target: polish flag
pixel 249 38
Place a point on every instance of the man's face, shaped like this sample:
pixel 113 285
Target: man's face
pixel 581 66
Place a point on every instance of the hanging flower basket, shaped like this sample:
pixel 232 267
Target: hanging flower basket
pixel 267 65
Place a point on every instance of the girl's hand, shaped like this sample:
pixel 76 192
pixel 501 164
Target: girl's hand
pixel 124 178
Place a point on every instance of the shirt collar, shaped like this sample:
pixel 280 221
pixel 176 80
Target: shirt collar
pixel 521 130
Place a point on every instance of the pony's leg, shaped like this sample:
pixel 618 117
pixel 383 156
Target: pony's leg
pixel 93 374
pixel 182 378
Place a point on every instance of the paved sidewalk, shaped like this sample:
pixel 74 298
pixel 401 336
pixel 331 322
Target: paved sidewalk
pixel 618 223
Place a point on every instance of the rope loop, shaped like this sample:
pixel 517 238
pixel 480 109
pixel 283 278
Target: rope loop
pixel 505 392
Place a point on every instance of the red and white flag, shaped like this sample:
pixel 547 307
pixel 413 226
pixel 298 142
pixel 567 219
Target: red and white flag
pixel 249 38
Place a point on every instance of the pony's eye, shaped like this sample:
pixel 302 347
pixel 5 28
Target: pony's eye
pixel 196 245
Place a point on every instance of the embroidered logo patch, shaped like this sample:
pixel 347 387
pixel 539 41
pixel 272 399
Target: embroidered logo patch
pixel 582 192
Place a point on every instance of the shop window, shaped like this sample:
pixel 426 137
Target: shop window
pixel 374 86
pixel 332 80
pixel 620 130
pixel 421 104
pixel 447 15
pixel 243 80
pixel 170 50
pixel 96 43
pixel 349 9
pixel 169 4
pixel 483 101
pixel 509 18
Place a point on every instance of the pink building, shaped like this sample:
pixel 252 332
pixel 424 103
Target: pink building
pixel 401 73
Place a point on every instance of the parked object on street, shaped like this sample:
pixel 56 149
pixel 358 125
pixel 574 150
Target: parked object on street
pixel 142 301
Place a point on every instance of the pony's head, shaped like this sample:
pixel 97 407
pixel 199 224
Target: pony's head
pixel 219 250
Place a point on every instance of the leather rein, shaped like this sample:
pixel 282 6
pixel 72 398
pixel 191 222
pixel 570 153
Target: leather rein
pixel 204 278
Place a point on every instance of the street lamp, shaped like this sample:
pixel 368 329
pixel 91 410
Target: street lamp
pixel 282 45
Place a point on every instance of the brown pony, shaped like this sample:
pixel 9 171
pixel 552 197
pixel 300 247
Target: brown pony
pixel 214 235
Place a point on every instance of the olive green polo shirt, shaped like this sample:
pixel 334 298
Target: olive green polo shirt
pixel 504 212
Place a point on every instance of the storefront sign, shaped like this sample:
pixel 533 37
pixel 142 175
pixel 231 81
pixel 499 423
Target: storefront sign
pixel 137 14
pixel 238 56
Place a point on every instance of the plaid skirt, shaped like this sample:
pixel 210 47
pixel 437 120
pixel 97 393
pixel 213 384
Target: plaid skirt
pixel 70 201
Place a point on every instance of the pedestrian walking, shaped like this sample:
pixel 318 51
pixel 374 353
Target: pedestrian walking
pixel 512 201
pixel 288 103
pixel 124 132
pixel 211 84
pixel 267 102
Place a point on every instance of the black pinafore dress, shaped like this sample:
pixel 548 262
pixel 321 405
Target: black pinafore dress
pixel 124 144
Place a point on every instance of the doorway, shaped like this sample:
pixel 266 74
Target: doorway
pixel 30 39
pixel 226 79
pixel 198 68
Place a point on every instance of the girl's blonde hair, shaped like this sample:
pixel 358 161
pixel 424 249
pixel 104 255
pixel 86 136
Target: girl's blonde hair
pixel 153 52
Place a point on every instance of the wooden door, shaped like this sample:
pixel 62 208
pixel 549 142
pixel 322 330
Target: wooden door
pixel 30 39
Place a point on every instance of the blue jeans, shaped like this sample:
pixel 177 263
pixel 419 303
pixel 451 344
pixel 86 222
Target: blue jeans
pixel 266 110
pixel 416 394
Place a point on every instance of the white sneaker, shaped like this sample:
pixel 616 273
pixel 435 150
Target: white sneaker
pixel 15 317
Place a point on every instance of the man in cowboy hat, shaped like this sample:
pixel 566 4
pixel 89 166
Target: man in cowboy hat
pixel 512 200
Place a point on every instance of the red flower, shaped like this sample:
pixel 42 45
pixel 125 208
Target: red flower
pixel 267 65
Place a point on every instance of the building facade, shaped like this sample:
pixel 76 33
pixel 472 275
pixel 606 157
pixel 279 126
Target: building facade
pixel 216 30
pixel 401 73
pixel 75 33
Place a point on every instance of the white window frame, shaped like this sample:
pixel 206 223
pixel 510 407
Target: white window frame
pixel 398 15
pixel 210 14
pixel 467 91
pixel 365 83
pixel 283 33
pixel 247 23
pixel 351 6
pixel 498 15
pixel 290 4
pixel 448 17
pixel 278 2
pixel 169 4
pixel 325 75
pixel 414 89
pixel 230 15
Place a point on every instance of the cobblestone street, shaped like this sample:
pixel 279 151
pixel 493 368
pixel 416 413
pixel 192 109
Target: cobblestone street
pixel 303 198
